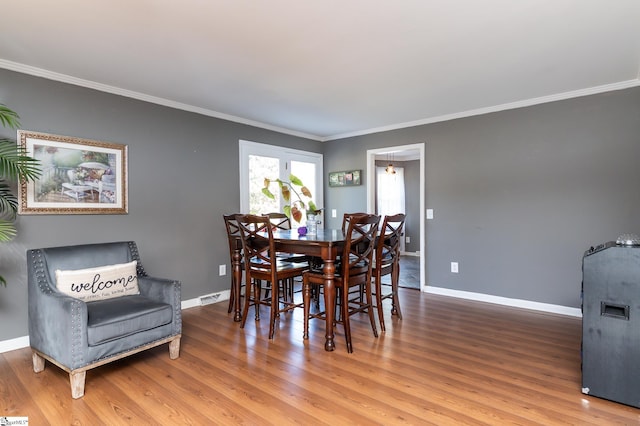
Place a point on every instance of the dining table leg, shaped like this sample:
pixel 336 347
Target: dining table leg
pixel 237 284
pixel 328 271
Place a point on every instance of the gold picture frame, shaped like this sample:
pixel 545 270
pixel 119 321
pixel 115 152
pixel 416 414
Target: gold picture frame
pixel 79 176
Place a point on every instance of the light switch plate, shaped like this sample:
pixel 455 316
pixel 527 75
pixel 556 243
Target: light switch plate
pixel 454 267
pixel 429 213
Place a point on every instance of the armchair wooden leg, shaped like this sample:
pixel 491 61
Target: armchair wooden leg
pixel 38 362
pixel 77 383
pixel 174 348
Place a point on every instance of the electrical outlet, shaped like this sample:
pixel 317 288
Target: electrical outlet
pixel 334 213
pixel 408 240
pixel 429 213
pixel 454 267
pixel 222 270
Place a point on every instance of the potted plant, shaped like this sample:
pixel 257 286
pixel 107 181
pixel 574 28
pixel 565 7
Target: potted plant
pixel 15 166
pixel 293 207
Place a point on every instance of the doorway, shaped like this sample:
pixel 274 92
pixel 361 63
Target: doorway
pixel 401 153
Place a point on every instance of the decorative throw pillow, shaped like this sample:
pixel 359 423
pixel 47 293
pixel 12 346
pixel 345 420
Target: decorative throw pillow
pixel 100 283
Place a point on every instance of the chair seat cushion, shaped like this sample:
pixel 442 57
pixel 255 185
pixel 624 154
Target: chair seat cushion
pixel 116 318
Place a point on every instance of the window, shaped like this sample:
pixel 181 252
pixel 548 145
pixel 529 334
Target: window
pixel 260 161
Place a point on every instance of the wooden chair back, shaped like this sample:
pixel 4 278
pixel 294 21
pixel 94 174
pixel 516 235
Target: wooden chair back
pixel 345 220
pixel 388 242
pixel 358 249
pixel 256 236
pixel 279 221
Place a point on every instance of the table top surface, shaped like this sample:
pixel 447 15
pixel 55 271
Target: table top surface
pixel 322 236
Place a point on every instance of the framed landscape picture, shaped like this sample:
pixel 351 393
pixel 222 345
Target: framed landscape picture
pixel 346 178
pixel 79 176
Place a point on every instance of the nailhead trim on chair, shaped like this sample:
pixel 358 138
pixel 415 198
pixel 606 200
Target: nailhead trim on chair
pixel 177 309
pixel 40 272
pixel 135 255
pixel 76 335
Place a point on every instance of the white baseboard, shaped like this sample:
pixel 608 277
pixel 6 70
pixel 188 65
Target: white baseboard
pixel 516 303
pixel 219 297
pixel 13 344
pixel 23 342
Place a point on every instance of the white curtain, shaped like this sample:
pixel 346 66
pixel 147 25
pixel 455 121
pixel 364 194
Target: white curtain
pixel 390 192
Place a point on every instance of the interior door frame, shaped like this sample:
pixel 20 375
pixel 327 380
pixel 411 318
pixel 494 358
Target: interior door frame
pixel 371 194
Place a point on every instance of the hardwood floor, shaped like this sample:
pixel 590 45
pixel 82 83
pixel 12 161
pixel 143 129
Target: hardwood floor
pixel 448 362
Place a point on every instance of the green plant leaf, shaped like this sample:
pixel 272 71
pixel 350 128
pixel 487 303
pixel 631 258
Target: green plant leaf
pixel 312 207
pixel 8 201
pixel 7 231
pixel 295 181
pixel 287 211
pixel 15 164
pixel 268 193
pixel 8 117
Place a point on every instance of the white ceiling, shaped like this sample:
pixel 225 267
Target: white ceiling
pixel 331 68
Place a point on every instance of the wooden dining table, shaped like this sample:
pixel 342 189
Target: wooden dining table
pixel 326 244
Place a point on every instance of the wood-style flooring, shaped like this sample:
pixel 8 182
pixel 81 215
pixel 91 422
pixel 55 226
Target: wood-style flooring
pixel 449 362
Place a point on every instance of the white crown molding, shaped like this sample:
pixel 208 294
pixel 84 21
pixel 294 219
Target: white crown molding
pixel 496 108
pixel 498 300
pixel 39 72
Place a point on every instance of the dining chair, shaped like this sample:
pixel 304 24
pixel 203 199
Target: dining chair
pixel 387 262
pixel 345 224
pixel 354 271
pixel 279 220
pixel 282 222
pixel 235 249
pixel 261 264
pixel 346 217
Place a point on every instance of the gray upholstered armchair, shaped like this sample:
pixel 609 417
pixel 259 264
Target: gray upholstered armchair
pixel 78 335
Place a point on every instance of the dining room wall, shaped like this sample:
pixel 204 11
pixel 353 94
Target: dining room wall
pixel 518 195
pixel 183 176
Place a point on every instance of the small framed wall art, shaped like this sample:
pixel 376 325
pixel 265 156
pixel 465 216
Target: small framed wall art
pixel 346 178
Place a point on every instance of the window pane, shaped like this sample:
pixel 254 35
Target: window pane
pixel 260 168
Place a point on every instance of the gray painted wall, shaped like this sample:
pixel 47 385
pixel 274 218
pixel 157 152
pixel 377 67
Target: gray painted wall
pixel 183 175
pixel 519 195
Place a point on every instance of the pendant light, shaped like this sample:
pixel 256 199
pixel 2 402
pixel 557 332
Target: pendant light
pixel 390 170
